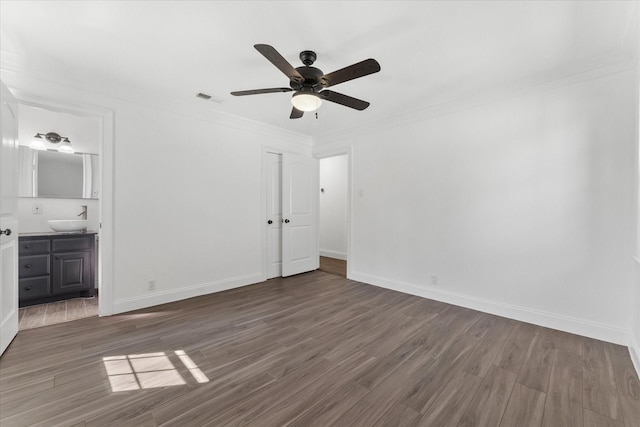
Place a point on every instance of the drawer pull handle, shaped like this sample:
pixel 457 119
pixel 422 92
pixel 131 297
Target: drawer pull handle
pixel 27 266
pixel 27 246
pixel 28 288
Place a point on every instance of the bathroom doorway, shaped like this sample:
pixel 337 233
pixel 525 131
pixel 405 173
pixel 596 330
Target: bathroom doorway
pixel 334 214
pixel 96 199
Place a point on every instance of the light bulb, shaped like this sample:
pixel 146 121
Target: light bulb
pixel 37 143
pixel 304 101
pixel 66 148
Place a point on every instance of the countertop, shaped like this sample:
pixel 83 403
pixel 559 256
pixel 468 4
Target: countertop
pixel 55 233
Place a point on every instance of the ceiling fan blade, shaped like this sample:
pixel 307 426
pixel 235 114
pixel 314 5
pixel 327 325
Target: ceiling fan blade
pixel 361 69
pixel 295 113
pixel 276 59
pixel 259 91
pixel 345 100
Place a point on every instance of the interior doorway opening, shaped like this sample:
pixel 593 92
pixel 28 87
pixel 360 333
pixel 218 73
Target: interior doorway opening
pixel 334 214
pixel 99 204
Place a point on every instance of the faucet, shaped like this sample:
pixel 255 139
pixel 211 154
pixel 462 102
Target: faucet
pixel 83 214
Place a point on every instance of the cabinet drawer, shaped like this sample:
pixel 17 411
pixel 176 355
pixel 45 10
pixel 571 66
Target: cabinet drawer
pixel 34 265
pixel 30 247
pixel 35 287
pixel 73 244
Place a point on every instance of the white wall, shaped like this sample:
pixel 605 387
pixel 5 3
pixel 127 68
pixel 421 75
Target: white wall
pixel 54 209
pixel 333 207
pixel 188 208
pixel 522 207
pixel 634 345
pixel 187 194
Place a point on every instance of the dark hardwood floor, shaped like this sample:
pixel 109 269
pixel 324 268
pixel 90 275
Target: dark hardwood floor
pixel 313 350
pixel 333 266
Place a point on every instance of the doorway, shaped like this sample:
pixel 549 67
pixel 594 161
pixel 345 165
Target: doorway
pixel 291 213
pixel 101 204
pixel 334 214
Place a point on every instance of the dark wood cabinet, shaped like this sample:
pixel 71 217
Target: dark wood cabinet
pixel 56 266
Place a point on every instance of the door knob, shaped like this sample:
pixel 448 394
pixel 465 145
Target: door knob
pixel 286 221
pixel 269 222
pixel 6 231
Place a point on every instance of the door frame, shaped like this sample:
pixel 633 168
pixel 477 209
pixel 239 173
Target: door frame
pixel 106 205
pixel 263 208
pixel 348 151
pixel 263 202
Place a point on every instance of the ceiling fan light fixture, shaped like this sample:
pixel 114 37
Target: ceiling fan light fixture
pixel 305 101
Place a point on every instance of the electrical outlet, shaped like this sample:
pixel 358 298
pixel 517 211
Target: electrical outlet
pixel 152 285
pixel 37 208
pixel 434 280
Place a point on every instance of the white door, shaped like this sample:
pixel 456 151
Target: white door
pixel 274 214
pixel 8 218
pixel 299 213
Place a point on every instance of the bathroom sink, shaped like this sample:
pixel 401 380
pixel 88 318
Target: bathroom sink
pixel 67 225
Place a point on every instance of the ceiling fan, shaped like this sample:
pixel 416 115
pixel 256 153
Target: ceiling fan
pixel 309 83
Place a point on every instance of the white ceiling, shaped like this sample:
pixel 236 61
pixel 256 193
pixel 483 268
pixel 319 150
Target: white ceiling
pixel 430 52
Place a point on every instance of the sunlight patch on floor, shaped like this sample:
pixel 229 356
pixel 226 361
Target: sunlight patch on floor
pixel 148 370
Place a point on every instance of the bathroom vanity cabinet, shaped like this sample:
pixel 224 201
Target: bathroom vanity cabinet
pixel 56 266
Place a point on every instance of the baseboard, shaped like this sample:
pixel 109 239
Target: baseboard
pixel 157 298
pixel 333 254
pixel 537 317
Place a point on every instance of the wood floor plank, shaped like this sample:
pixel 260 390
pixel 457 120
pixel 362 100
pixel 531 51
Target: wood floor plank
pixel 514 350
pixel 525 408
pixel 327 410
pixel 449 407
pixel 314 349
pixel 368 410
pixel 333 266
pixel 538 362
pixel 429 379
pixel 600 389
pixel 385 365
pixel 563 406
pixel 490 401
pixel 593 419
pixel 399 416
pixel 287 411
pixel 627 383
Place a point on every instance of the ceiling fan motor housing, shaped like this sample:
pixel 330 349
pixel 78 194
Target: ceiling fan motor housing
pixel 311 78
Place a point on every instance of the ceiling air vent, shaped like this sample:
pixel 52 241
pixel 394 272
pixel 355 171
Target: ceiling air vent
pixel 207 97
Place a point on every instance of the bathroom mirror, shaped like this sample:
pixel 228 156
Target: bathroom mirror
pixel 58 175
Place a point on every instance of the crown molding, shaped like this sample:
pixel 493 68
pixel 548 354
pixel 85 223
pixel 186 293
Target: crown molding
pixel 557 79
pixel 106 96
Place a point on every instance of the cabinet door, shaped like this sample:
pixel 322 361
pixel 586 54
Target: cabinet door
pixel 72 272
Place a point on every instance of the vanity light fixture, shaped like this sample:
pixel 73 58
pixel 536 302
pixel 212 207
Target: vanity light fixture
pixel 66 147
pixel 38 143
pixel 54 138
